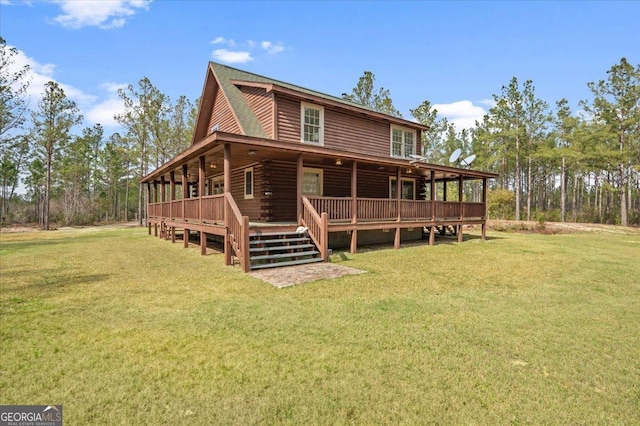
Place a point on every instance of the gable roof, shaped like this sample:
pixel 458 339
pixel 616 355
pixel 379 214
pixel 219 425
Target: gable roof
pixel 230 78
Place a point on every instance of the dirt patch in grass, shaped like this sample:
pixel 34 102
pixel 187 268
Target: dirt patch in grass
pixel 299 274
pixel 558 227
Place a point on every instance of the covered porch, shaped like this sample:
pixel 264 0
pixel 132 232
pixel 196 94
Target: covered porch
pixel 237 187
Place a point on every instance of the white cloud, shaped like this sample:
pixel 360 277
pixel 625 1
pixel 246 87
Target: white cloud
pixel 91 107
pixel 272 48
pixel 99 13
pixel 488 102
pixel 221 40
pixel 461 113
pixel 104 112
pixel 232 57
pixel 244 52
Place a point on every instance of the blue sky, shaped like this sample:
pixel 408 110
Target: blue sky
pixel 454 54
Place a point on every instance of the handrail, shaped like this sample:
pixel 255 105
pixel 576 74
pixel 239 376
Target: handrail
pixel 237 231
pixel 318 227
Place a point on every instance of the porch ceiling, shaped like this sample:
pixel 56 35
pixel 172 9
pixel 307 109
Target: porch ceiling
pixel 246 151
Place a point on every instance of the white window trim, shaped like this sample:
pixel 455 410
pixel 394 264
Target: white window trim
pixel 314 106
pixel 320 173
pixel 403 129
pixel 404 179
pixel 212 181
pixel 253 181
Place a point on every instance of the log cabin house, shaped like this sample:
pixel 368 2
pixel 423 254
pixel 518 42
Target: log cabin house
pixel 281 174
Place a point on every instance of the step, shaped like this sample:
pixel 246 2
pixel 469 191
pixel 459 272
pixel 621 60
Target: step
pixel 276 234
pixel 285 255
pixel 278 240
pixel 274 248
pixel 288 263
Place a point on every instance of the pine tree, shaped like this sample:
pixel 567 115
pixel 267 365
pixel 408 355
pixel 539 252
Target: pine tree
pixel 52 123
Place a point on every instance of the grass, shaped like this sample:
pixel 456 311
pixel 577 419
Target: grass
pixel 123 328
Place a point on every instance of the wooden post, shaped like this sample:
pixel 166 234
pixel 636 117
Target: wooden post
pixel 155 229
pixel 461 195
pixel 484 213
pixel 396 240
pixel 246 261
pixel 185 238
pixel 173 234
pixel 203 243
pixel 185 191
pixel 461 212
pixel 299 182
pixel 227 167
pixel 149 227
pixel 324 231
pixel 432 234
pixel 433 208
pixel 163 189
pixel 201 171
pixel 354 206
pixel 227 190
pixel 172 192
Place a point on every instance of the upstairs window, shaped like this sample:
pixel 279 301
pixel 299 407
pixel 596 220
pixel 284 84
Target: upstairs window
pixel 403 142
pixel 312 124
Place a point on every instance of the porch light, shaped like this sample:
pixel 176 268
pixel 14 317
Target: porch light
pixel 409 171
pixel 213 165
pixel 338 162
pixel 251 152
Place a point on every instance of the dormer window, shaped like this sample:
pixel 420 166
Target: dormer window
pixel 403 142
pixel 312 124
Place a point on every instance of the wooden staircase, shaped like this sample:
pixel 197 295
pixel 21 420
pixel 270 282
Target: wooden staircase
pixel 276 249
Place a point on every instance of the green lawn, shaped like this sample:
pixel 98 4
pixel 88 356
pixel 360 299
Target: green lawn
pixel 123 328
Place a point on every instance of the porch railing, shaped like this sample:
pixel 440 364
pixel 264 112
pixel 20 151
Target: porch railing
pixel 338 208
pixel 474 210
pixel 192 209
pixel 372 209
pixel 176 209
pixel 318 227
pixel 447 209
pixel 237 231
pixel 377 209
pixel 213 208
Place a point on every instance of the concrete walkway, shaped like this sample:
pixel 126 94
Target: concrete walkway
pixel 291 275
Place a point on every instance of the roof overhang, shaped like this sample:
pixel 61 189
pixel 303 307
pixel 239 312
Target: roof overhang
pixel 214 143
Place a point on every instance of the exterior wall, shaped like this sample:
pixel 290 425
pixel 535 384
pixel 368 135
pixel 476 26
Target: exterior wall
pixel 248 206
pixel 222 115
pixel 278 178
pixel 262 105
pixel 341 131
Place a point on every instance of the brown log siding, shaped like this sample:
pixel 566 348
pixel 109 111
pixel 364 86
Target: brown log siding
pixel 262 105
pixel 288 120
pixel 279 178
pixel 341 131
pixel 251 206
pixel 223 116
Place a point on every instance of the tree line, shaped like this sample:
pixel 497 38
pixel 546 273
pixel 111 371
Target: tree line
pixel 554 163
pixel 75 174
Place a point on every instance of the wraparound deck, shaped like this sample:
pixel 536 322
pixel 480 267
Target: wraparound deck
pixel 219 215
